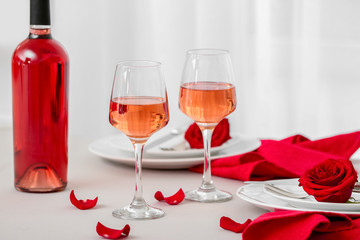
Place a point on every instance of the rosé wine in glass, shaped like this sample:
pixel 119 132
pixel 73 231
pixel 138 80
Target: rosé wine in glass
pixel 207 95
pixel 138 108
pixel 207 102
pixel 138 117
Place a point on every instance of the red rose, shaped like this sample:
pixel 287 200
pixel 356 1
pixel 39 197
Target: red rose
pixel 330 181
pixel 220 135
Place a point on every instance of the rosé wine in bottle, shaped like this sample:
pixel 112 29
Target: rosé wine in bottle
pixel 40 107
pixel 207 102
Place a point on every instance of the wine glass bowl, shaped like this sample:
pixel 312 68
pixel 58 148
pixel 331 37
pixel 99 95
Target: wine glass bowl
pixel 138 108
pixel 138 117
pixel 207 95
pixel 220 101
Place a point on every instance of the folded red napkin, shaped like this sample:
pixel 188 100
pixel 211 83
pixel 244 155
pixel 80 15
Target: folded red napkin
pixel 287 158
pixel 297 225
pixel 220 135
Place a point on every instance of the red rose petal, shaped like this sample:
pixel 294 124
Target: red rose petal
pixel 111 233
pixel 82 204
pixel 159 196
pixel 172 200
pixel 229 224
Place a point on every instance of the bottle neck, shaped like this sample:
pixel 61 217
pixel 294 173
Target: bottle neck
pixel 40 32
pixel 39 19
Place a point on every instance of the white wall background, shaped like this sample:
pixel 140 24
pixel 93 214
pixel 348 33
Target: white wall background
pixel 297 62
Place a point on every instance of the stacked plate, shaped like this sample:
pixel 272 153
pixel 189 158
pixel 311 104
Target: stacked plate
pixel 164 151
pixel 258 194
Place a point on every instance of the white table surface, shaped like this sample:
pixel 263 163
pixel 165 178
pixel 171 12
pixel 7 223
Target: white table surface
pixel 52 216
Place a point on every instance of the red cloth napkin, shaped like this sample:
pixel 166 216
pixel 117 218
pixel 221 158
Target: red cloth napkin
pixel 287 158
pixel 297 225
pixel 220 135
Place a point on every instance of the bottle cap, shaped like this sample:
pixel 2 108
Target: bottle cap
pixel 39 12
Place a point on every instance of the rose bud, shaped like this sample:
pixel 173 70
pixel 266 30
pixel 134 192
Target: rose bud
pixel 330 181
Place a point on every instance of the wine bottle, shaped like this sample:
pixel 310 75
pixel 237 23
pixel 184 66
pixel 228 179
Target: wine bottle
pixel 40 107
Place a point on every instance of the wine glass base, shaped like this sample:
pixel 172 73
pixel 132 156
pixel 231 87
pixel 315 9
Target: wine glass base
pixel 208 195
pixel 134 212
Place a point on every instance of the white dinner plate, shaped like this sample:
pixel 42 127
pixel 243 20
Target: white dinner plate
pixel 105 148
pixel 254 193
pixel 310 202
pixel 123 143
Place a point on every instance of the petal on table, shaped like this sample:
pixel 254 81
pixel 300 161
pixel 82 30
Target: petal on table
pixel 172 200
pixel 231 225
pixel 82 204
pixel 111 233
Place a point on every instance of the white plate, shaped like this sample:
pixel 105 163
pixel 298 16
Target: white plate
pixel 105 148
pixel 310 202
pixel 255 194
pixel 123 143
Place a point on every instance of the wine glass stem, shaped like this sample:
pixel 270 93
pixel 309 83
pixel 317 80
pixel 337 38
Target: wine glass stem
pixel 207 183
pixel 138 196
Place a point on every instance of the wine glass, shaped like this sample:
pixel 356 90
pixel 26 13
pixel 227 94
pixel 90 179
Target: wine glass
pixel 207 95
pixel 138 108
